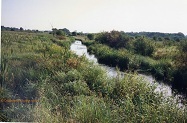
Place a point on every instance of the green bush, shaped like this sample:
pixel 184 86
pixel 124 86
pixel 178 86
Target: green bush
pixel 143 47
pixel 114 39
pixel 75 88
pixel 90 36
pixel 162 70
pixel 59 32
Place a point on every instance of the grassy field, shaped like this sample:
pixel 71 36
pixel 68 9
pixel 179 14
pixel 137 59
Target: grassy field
pixel 70 89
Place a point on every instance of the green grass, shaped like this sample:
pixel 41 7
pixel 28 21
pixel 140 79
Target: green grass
pixel 71 89
pixel 163 66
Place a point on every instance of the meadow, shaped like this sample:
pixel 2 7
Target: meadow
pixel 70 89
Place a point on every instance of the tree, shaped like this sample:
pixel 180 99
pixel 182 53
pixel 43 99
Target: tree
pixel 54 31
pixel 21 29
pixel 90 36
pixel 66 31
pixel 59 32
pixel 155 38
pixel 114 39
pixel 181 34
pixel 12 29
pixel 74 33
pixel 160 39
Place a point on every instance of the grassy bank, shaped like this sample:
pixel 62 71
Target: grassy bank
pixel 127 60
pixel 69 88
pixel 165 60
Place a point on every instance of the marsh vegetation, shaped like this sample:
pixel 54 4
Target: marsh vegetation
pixel 70 88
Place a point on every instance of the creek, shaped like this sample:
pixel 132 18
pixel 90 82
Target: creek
pixel 78 48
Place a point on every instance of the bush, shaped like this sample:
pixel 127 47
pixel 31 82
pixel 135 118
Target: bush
pixel 74 88
pixel 59 32
pixel 114 39
pixel 162 70
pixel 90 36
pixel 143 47
pixel 94 77
pixel 74 33
pixel 70 76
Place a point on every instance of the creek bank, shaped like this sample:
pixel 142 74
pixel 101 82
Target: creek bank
pixel 78 48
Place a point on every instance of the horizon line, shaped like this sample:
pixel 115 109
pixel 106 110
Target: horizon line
pixel 99 31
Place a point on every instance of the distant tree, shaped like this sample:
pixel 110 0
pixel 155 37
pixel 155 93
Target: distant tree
pixel 90 36
pixel 66 31
pixel 114 39
pixel 54 31
pixel 155 38
pixel 3 28
pixel 12 29
pixel 176 39
pixel 160 39
pixel 181 34
pixel 74 33
pixel 80 33
pixel 21 29
pixel 60 32
pixel 167 38
pixel 102 38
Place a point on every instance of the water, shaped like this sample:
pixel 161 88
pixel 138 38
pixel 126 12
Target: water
pixel 78 48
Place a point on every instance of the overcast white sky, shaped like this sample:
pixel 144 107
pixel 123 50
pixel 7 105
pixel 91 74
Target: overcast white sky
pixel 97 15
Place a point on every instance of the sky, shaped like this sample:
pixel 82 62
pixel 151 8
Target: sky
pixel 97 15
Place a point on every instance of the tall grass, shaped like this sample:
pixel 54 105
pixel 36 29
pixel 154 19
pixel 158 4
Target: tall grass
pixel 163 69
pixel 26 58
pixel 121 100
pixel 71 89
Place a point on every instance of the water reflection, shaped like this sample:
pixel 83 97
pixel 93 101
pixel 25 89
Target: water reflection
pixel 80 49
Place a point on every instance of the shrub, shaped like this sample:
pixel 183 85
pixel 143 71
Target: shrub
pixel 162 70
pixel 70 76
pixel 59 32
pixel 74 33
pixel 114 39
pixel 95 77
pixel 143 47
pixel 90 36
pixel 76 87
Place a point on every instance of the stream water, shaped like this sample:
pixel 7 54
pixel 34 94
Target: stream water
pixel 78 48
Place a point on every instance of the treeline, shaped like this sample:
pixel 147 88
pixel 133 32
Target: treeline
pixel 54 31
pixel 3 28
pixel 159 36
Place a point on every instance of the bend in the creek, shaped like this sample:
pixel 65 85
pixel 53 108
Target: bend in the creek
pixel 78 48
